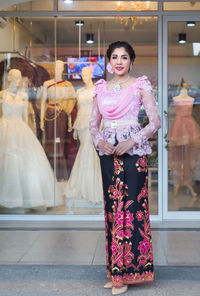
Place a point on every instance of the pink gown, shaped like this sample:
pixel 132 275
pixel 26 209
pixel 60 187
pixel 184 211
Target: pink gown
pixel 184 141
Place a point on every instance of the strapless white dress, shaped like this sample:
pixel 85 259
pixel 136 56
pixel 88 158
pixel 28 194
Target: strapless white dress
pixel 27 180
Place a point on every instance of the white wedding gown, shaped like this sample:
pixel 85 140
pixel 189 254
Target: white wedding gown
pixel 26 178
pixel 85 181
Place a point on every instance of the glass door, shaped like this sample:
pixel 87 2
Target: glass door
pixel 181 101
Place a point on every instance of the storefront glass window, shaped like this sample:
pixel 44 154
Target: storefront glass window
pixel 48 161
pixel 183 115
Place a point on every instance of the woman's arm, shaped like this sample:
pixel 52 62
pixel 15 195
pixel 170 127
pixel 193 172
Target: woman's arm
pixel 149 103
pixel 95 121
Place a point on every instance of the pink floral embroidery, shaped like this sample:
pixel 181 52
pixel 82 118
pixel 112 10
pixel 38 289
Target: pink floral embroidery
pixel 144 192
pixel 117 280
pixel 145 245
pixel 140 215
pixel 138 278
pixel 122 250
pixel 128 218
pixel 141 164
pixel 118 165
pixel 127 233
pixel 128 255
pixel 116 190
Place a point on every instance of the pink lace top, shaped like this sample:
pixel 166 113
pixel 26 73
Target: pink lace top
pixel 124 106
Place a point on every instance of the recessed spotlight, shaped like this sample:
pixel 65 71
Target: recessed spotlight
pixel 182 38
pixel 89 38
pixel 191 24
pixel 79 23
pixel 67 1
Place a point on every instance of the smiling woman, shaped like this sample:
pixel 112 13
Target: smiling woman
pixel 122 147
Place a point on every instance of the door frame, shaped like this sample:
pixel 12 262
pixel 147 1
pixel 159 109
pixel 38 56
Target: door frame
pixel 171 215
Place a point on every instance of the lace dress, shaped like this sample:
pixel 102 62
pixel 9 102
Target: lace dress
pixel 113 100
pixel 27 180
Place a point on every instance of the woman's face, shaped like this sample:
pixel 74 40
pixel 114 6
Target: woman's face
pixel 120 61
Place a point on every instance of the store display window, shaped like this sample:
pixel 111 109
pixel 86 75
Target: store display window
pixel 48 69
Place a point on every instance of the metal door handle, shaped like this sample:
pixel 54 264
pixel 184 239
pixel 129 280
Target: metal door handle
pixel 166 131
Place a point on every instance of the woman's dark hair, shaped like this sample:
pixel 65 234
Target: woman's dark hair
pixel 123 44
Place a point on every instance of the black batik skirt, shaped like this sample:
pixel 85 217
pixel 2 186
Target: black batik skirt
pixel 129 255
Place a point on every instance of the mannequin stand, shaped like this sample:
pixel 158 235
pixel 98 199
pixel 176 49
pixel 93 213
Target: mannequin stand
pixel 182 183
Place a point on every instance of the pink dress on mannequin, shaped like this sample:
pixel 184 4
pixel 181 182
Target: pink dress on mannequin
pixel 184 140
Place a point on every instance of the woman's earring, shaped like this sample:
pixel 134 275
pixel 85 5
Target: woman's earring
pixel 109 68
pixel 131 68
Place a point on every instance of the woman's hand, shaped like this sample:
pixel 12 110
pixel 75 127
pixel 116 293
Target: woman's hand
pixel 124 146
pixel 106 148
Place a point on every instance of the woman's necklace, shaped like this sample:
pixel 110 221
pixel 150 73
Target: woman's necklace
pixel 117 86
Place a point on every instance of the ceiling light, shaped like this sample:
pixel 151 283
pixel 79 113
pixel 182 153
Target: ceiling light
pixel 67 1
pixel 191 24
pixel 79 23
pixel 89 38
pixel 182 38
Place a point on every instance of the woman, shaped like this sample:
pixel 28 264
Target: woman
pixel 123 146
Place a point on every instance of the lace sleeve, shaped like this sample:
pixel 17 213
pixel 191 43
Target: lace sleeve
pixel 149 103
pixel 95 121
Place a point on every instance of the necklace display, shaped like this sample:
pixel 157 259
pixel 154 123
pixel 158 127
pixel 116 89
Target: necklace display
pixel 117 86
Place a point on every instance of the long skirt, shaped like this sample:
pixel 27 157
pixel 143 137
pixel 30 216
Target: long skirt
pixel 129 255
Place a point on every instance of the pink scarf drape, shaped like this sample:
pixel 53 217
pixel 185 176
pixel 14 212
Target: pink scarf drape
pixel 124 101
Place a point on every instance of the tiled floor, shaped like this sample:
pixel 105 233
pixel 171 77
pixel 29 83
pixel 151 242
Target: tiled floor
pixel 71 261
pixel 87 247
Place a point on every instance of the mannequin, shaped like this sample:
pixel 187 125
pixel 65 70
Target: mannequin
pixel 60 110
pixel 85 180
pixel 27 180
pixel 184 141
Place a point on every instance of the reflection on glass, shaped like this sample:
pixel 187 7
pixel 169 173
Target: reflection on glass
pixel 183 113
pixel 108 5
pixel 59 99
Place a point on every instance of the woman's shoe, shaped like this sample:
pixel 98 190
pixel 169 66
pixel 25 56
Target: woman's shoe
pixel 108 285
pixel 120 290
